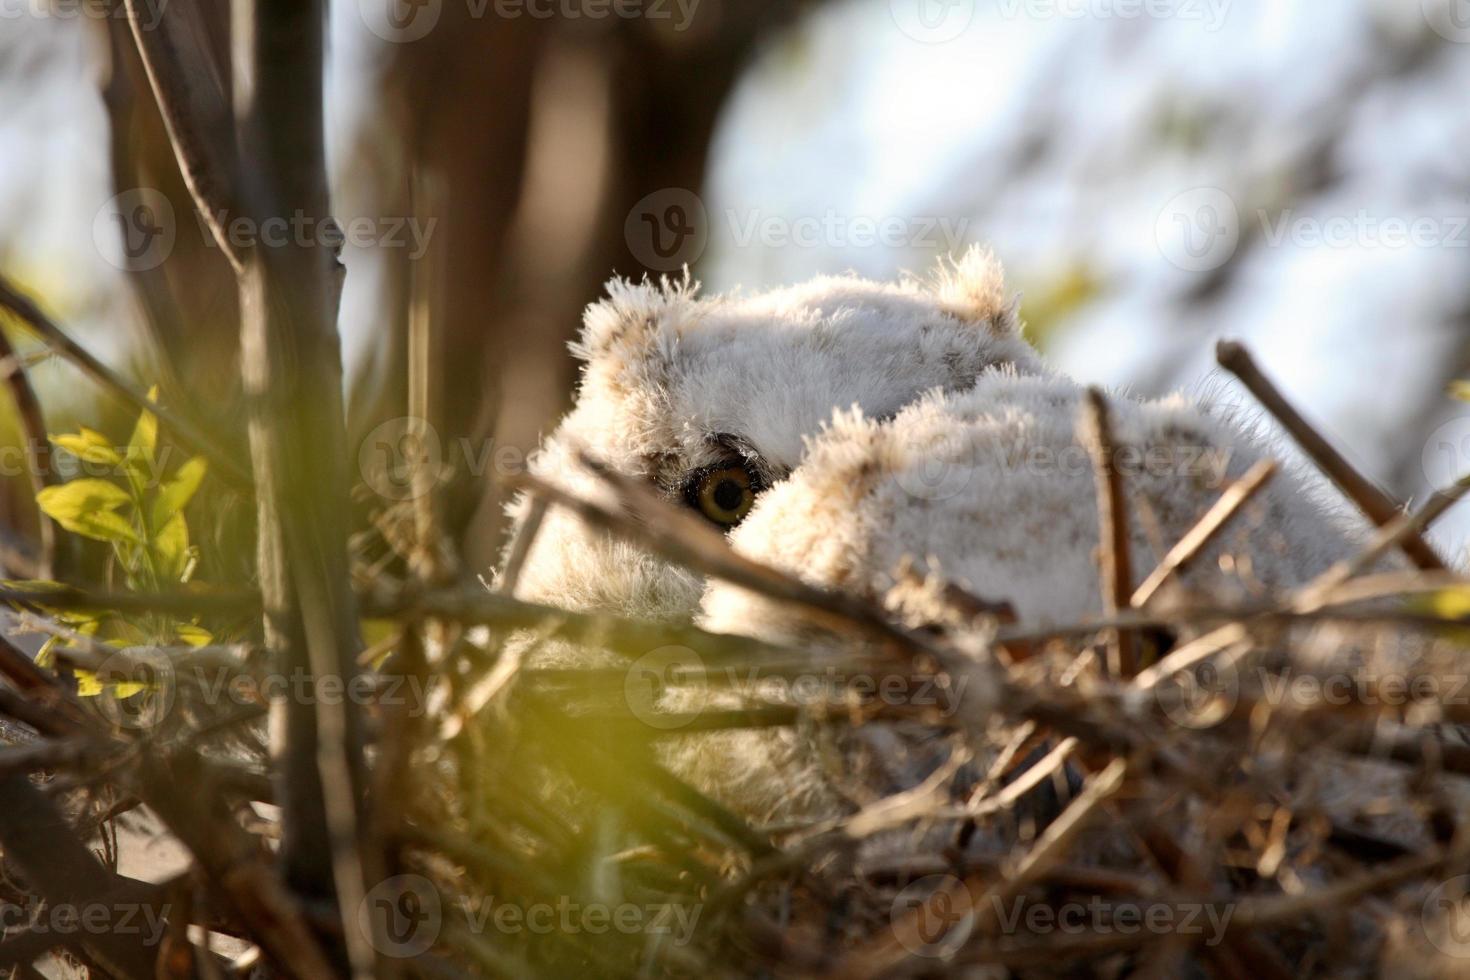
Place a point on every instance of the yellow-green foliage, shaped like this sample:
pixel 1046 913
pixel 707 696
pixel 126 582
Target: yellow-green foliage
pixel 140 513
pixel 143 522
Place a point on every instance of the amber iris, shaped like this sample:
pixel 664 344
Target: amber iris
pixel 724 495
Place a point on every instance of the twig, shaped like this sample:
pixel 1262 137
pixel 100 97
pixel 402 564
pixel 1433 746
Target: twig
pixel 64 872
pixel 685 540
pixel 884 954
pixel 231 861
pixel 183 604
pixel 37 445
pixel 1403 527
pixel 1114 555
pixel 1374 503
pixel 1199 537
pixel 520 544
pixel 45 754
pixel 192 439
pixel 190 94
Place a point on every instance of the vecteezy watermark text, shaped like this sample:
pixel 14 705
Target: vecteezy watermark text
pixel 1210 13
pixel 404 21
pixel 89 918
pixel 671 228
pixel 652 675
pixel 136 230
pixel 404 914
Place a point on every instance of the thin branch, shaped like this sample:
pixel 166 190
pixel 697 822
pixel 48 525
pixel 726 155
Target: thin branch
pixel 182 604
pixel 1403 527
pixel 38 839
pixel 1199 537
pixel 190 93
pixel 1114 554
pixel 45 754
pixel 1374 503
pixel 521 542
pixel 191 438
pixel 37 445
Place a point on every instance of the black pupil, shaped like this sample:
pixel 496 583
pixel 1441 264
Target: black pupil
pixel 728 495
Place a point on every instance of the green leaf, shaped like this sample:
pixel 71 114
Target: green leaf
pixel 143 443
pixel 87 507
pixel 1460 390
pixel 171 545
pixel 88 686
pixel 176 493
pixel 194 636
pixel 126 689
pixel 89 445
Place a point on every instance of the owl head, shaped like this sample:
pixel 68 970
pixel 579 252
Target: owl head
pixel 713 400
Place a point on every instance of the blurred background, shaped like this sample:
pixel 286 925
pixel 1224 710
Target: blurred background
pixel 1153 173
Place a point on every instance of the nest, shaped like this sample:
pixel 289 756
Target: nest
pixel 1175 789
pixel 1179 790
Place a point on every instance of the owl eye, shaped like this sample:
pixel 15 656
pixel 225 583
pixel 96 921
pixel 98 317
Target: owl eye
pixel 723 494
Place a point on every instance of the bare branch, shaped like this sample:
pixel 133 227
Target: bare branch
pixel 1199 537
pixel 190 91
pixel 1374 503
pixel 38 446
pixel 1114 556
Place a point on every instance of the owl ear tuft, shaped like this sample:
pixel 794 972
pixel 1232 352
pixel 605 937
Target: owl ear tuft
pixel 632 314
pixel 972 289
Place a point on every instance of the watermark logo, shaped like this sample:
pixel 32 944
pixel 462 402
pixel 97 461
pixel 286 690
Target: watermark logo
pixel 1446 454
pixel 400 21
pixel 1446 917
pixel 139 687
pixel 135 230
pixel 667 229
pixel 934 916
pixel 932 21
pixel 1199 230
pixel 401 916
pixel 942 471
pixel 655 672
pixel 1201 695
pixel 1450 19
pixel 671 228
pixel 401 458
